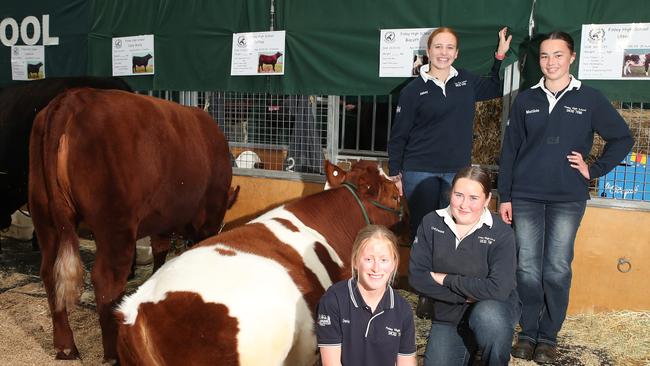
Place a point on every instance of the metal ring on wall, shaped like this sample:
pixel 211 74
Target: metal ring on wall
pixel 624 265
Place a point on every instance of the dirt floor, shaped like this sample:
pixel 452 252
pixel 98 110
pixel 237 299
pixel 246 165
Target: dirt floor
pixel 26 329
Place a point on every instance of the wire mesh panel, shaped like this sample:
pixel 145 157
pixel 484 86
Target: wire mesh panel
pixel 163 94
pixel 271 132
pixel 295 133
pixel 630 180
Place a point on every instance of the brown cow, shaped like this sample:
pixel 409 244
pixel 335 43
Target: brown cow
pixel 129 166
pixel 268 60
pixel 248 296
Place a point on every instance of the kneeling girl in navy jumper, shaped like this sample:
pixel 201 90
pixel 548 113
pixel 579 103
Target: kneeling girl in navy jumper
pixel 363 321
pixel 463 257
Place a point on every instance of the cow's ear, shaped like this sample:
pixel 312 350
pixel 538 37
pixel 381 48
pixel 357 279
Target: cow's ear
pixel 335 175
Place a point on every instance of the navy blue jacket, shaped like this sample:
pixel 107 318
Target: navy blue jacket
pixel 366 338
pixel 534 163
pixel 433 132
pixel 483 266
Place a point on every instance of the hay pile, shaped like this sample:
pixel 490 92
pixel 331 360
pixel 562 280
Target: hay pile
pixel 609 338
pixel 613 338
pixel 623 335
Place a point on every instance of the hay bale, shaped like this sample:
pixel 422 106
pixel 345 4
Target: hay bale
pixel 487 132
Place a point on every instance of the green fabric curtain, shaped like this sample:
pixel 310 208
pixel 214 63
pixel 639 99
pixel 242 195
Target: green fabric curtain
pixel 333 46
pixel 192 40
pixel 69 20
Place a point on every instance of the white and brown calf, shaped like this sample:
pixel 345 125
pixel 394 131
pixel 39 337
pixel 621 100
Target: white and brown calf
pixel 248 296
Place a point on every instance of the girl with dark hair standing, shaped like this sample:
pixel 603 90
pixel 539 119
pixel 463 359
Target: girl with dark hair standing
pixel 543 186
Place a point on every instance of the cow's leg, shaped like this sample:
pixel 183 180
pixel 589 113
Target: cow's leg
pixel 159 247
pixel 69 273
pixel 49 242
pixel 63 338
pixel 115 252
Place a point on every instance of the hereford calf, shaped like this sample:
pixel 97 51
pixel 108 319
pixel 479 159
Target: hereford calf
pixel 248 296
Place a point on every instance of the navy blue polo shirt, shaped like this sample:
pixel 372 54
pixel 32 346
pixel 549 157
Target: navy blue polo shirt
pixel 366 338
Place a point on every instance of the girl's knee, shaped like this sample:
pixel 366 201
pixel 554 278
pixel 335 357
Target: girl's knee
pixel 491 316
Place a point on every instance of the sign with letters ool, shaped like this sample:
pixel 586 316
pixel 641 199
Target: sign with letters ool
pixel 258 53
pixel 27 62
pixel 133 55
pixel 402 51
pixel 615 51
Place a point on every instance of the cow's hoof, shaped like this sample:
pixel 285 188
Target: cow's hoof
pixel 68 354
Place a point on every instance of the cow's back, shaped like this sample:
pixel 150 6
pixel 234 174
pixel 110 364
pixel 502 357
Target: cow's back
pixel 19 105
pixel 266 307
pixel 137 157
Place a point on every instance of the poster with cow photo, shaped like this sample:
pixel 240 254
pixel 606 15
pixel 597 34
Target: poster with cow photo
pixel 615 51
pixel 258 53
pixel 133 55
pixel 403 51
pixel 27 62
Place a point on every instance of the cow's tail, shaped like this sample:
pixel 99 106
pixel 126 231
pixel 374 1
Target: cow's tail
pixel 68 271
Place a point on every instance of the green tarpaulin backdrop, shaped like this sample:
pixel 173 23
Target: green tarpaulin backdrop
pixel 332 47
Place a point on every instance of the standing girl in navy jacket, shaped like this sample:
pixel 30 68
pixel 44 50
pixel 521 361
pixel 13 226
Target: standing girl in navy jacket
pixel 432 135
pixel 543 186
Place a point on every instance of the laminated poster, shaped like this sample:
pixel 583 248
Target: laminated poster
pixel 133 55
pixel 257 53
pixel 403 51
pixel 27 62
pixel 615 51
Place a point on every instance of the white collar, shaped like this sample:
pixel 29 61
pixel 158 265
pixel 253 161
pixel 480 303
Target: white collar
pixel 485 219
pixel 424 74
pixel 552 99
pixel 353 287
pixel 441 84
pixel 573 84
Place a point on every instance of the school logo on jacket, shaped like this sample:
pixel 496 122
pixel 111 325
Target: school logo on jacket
pixel 458 84
pixel 530 111
pixel 574 110
pixel 395 332
pixel 324 320
pixel 485 240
